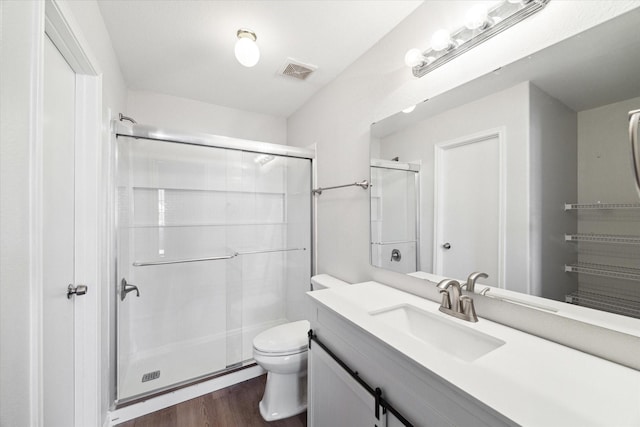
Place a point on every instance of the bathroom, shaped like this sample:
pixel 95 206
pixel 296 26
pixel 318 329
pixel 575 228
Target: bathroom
pixel 327 122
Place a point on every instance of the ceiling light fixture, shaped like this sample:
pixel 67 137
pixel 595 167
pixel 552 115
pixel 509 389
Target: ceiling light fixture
pixel 480 24
pixel 247 51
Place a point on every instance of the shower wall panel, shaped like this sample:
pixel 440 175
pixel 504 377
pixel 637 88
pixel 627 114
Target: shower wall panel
pixel 298 235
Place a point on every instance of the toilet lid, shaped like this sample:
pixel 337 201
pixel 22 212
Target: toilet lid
pixel 290 337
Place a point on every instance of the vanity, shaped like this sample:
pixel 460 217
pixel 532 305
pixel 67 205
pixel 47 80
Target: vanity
pixel 437 370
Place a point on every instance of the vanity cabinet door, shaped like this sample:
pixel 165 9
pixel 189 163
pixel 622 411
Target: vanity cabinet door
pixel 336 399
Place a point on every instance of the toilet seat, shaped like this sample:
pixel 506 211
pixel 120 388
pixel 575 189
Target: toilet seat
pixel 259 353
pixel 286 339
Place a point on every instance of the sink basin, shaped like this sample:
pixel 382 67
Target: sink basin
pixel 437 331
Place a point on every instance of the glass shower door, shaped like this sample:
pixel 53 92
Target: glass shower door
pixel 216 242
pixel 180 296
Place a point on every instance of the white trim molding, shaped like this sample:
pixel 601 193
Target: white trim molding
pixel 36 235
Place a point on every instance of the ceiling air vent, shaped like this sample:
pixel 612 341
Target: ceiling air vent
pixel 297 70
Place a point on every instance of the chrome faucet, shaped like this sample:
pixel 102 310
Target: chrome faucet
pixel 455 304
pixel 471 280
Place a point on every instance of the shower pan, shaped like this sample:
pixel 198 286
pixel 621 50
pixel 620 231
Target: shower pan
pixel 213 247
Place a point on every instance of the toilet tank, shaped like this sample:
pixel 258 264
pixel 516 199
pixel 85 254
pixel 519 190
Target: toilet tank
pixel 325 281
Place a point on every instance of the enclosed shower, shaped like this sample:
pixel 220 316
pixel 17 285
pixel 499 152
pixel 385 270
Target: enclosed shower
pixel 213 247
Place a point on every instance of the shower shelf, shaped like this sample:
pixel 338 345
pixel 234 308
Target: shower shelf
pixel 612 304
pixel 603 206
pixel 203 190
pixel 240 224
pixel 604 270
pixel 603 238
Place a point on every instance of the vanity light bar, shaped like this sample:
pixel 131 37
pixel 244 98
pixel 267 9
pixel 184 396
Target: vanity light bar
pixel 499 18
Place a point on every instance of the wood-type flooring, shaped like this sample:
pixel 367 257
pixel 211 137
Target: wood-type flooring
pixel 235 406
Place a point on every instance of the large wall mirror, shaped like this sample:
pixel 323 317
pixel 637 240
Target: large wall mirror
pixel 524 173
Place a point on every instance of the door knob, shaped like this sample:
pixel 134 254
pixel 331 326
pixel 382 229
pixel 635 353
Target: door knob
pixel 76 290
pixel 447 245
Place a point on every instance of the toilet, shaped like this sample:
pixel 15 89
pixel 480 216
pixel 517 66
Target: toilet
pixel 282 352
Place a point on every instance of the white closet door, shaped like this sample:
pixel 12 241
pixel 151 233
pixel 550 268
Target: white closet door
pixel 59 236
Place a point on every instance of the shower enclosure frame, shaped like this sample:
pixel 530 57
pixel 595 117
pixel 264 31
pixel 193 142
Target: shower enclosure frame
pixel 139 131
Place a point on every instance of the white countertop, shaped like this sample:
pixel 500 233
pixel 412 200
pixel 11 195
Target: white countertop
pixel 532 381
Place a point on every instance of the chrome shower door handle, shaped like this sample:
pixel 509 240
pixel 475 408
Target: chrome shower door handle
pixel 125 288
pixel 634 117
pixel 447 245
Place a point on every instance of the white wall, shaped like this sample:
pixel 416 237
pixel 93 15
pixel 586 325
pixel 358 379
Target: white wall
pixel 172 112
pixel 21 58
pixel 378 84
pixel 19 22
pixel 554 182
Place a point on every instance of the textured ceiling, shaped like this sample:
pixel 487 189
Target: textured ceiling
pixel 185 48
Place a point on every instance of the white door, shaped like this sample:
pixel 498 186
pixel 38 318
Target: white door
pixel 468 208
pixel 58 236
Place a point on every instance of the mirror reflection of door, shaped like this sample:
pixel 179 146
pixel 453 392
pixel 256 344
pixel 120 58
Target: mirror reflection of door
pixel 467 209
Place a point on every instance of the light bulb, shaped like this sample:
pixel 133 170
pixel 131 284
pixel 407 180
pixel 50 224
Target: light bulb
pixel 414 57
pixel 409 109
pixel 477 17
pixel 441 40
pixel 246 49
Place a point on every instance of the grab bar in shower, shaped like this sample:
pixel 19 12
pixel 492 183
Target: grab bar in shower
pixel 214 258
pixel 364 184
pixel 266 251
pixel 180 261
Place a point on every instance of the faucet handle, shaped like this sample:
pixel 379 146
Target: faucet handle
pixel 468 308
pixel 471 280
pixel 446 302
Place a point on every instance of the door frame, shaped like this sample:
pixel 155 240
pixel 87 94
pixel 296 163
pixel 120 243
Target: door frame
pixel 57 22
pixel 438 194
